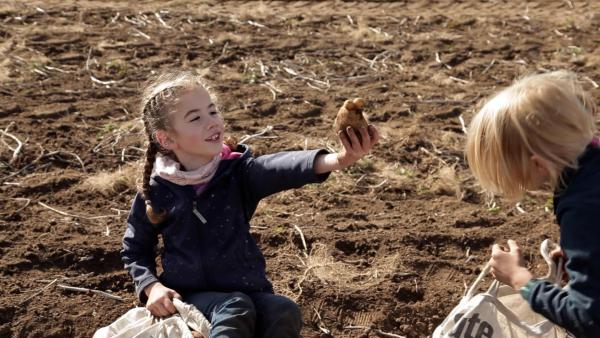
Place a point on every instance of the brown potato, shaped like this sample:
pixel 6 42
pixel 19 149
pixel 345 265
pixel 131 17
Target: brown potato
pixel 351 115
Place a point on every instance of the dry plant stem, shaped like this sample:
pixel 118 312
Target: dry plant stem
pixel 26 166
pixel 249 137
pixel 320 324
pixel 387 334
pixel 368 329
pixel 16 150
pixel 274 90
pixel 85 290
pixel 27 202
pixel 305 275
pixel 57 152
pixel 258 227
pixel 108 82
pixel 40 291
pixel 303 240
pixel 463 126
pixel 218 58
pixel 139 32
pixel 76 156
pixel 459 80
pixel 162 22
pixel 73 215
pixel 271 90
pixel 42 155
pixel 588 79
pixel 87 61
pixel 432 155
pixel 489 67
pixel 374 186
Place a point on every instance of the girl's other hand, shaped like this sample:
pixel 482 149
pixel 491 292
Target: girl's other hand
pixel 508 267
pixel 160 300
pixel 354 149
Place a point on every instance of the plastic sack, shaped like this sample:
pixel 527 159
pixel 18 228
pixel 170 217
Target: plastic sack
pixel 139 323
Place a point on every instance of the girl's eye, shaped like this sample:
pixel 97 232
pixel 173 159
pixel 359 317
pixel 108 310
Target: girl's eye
pixel 195 118
pixel 214 112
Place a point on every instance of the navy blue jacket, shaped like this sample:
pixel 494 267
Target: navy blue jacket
pixel 206 238
pixel 577 209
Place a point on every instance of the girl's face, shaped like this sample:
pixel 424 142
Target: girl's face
pixel 197 127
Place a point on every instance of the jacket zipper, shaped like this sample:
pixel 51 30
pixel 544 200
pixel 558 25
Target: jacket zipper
pixel 198 214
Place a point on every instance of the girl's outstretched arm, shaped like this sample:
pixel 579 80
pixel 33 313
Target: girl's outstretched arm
pixel 269 174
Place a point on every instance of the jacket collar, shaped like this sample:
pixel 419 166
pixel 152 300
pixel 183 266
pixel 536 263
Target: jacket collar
pixel 568 174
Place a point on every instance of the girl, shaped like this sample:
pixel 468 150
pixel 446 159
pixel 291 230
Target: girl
pixel 537 132
pixel 199 195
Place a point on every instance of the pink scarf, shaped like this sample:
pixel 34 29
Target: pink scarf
pixel 169 169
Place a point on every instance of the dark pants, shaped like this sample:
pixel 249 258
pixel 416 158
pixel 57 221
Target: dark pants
pixel 255 315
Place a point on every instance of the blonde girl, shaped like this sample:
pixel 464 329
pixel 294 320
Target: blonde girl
pixel 538 133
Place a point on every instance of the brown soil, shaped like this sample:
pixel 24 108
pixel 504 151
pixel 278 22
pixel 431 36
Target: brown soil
pixel 387 240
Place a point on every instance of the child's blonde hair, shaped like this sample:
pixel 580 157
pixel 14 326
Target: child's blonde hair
pixel 158 100
pixel 548 115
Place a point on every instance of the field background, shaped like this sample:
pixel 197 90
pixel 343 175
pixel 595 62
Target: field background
pixel 389 244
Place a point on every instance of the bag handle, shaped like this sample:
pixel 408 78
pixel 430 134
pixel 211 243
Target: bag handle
pixel 473 289
pixel 555 270
pixel 193 317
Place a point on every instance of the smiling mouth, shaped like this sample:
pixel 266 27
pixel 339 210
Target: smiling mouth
pixel 214 138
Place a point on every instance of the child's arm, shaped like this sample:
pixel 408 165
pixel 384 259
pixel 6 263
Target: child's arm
pixel 138 248
pixel 269 174
pixel 138 255
pixel 576 308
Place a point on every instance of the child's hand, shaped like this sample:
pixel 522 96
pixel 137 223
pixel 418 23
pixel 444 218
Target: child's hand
pixel 352 152
pixel 353 148
pixel 160 301
pixel 508 267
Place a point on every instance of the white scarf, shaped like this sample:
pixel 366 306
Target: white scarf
pixel 169 169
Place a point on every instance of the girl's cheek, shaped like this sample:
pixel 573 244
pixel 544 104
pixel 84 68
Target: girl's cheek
pixel 194 138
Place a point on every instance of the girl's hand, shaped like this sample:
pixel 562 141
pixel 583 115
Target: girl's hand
pixel 353 148
pixel 160 301
pixel 508 267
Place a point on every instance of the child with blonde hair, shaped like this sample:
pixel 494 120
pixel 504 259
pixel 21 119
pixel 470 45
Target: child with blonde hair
pixel 199 195
pixel 537 133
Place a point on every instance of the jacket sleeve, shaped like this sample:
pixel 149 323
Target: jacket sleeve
pixel 139 242
pixel 269 174
pixel 577 307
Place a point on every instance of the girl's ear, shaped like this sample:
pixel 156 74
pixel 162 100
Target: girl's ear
pixel 165 140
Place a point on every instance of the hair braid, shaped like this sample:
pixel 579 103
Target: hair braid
pixel 151 152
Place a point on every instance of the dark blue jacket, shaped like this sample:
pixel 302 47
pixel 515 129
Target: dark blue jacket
pixel 577 209
pixel 207 241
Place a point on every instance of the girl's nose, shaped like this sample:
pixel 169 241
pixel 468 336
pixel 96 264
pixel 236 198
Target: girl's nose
pixel 215 122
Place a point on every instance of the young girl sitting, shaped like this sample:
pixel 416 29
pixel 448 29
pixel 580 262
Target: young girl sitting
pixel 200 195
pixel 540 132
